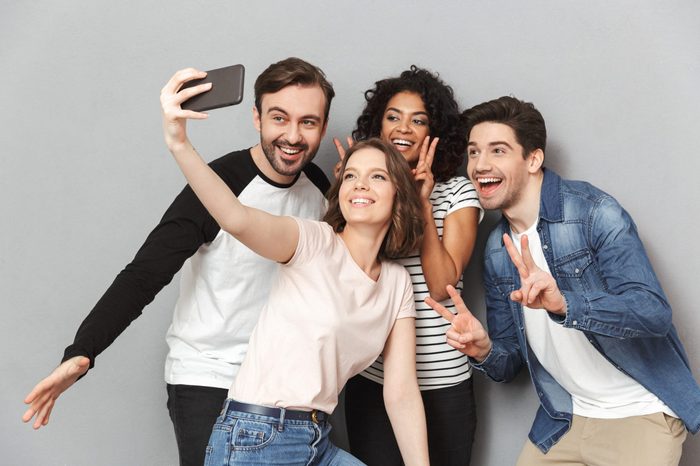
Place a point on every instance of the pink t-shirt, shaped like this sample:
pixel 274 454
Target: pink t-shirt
pixel 324 322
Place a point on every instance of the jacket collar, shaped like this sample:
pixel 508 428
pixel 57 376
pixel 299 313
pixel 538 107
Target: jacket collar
pixel 551 201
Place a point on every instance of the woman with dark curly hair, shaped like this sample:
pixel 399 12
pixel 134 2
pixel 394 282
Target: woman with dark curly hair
pixel 417 113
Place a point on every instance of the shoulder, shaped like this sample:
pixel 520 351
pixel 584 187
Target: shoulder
pixel 317 177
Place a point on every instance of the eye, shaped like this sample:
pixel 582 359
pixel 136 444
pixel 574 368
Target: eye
pixel 472 153
pixel 348 176
pixel 419 122
pixel 309 123
pixel 278 118
pixel 391 117
pixel 499 150
pixel 379 176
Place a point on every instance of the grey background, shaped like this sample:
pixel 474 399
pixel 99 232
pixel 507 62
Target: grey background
pixel 85 174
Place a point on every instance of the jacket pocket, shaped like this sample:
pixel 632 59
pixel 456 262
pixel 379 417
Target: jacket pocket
pixel 578 272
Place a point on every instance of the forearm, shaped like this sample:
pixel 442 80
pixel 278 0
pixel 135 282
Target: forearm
pixel 404 406
pixel 438 266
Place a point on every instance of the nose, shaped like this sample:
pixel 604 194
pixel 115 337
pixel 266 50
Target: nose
pixel 360 184
pixel 293 134
pixel 479 163
pixel 404 126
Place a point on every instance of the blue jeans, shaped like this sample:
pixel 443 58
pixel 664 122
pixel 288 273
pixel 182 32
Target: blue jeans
pixel 240 438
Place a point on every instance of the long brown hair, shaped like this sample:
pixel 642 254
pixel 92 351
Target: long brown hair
pixel 406 227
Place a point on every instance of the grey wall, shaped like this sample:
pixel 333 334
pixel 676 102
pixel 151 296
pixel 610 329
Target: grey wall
pixel 85 173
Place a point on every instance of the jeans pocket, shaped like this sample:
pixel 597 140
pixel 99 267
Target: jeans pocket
pixel 250 435
pixel 218 452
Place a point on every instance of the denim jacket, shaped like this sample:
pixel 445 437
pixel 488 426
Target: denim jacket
pixel 612 295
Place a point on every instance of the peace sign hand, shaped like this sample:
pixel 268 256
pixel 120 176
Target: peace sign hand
pixel 538 289
pixel 341 154
pixel 423 173
pixel 466 334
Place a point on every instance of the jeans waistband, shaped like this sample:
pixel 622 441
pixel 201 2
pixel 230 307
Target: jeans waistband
pixel 314 416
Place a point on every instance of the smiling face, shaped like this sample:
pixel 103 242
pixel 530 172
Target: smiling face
pixel 367 193
pixel 291 125
pixel 497 166
pixel 406 124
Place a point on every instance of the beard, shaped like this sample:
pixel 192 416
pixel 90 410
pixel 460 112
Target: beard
pixel 283 166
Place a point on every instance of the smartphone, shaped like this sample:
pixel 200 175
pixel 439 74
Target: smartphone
pixel 226 89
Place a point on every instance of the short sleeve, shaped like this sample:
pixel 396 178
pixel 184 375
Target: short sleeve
pixel 314 237
pixel 463 194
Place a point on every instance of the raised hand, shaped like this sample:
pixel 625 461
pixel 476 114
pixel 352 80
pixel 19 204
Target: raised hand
pixel 341 153
pixel 538 289
pixel 171 98
pixel 466 334
pixel 423 173
pixel 43 396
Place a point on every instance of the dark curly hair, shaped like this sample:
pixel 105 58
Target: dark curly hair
pixel 406 228
pixel 443 113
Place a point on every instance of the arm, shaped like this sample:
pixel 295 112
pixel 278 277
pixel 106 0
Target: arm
pixel 270 236
pixel 43 396
pixel 499 358
pixel 631 303
pixel 402 398
pixel 442 260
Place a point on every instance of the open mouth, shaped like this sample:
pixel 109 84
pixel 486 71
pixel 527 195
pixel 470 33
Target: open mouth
pixel 488 184
pixel 361 202
pixel 402 144
pixel 290 152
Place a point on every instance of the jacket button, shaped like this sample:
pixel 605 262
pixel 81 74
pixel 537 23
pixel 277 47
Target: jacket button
pixel 574 322
pixel 544 246
pixel 576 270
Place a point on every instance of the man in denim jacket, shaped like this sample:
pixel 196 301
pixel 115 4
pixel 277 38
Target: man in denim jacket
pixel 570 293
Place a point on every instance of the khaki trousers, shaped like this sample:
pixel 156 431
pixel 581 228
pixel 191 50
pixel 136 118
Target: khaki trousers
pixel 651 440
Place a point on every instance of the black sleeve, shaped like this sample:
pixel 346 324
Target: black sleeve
pixel 185 226
pixel 317 177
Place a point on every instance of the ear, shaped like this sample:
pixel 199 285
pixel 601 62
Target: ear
pixel 535 161
pixel 256 118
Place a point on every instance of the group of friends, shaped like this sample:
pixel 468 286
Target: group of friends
pixel 293 288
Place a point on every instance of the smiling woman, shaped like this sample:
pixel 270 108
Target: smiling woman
pixel 417 114
pixel 335 306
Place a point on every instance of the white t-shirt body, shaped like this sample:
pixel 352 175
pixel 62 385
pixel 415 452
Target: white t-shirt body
pixel 598 389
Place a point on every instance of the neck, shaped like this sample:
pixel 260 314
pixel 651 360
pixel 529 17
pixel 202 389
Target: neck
pixel 264 166
pixel 523 214
pixel 363 243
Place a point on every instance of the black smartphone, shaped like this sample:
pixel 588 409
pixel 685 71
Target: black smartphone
pixel 226 89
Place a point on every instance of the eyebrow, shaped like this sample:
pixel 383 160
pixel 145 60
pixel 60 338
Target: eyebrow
pixel 491 144
pixel 394 109
pixel 305 117
pixel 372 169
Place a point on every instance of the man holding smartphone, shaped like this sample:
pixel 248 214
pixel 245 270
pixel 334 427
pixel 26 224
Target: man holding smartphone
pixel 223 285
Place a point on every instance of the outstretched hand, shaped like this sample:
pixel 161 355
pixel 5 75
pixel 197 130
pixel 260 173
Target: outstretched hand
pixel 538 289
pixel 341 153
pixel 423 173
pixel 466 334
pixel 43 396
pixel 171 98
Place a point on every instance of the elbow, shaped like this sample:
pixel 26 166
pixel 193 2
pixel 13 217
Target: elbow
pixel 397 395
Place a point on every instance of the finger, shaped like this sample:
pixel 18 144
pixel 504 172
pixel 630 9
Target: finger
pixel 339 147
pixel 517 296
pixel 43 413
pixel 455 344
pixel 535 291
pixel 28 414
pixel 526 254
pixel 457 300
pixel 181 77
pixel 190 92
pixel 431 153
pixel 350 141
pixel 515 256
pixel 439 308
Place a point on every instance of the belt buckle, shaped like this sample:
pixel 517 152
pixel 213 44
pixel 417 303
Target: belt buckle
pixel 314 416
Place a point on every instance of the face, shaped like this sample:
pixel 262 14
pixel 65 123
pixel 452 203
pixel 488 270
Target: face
pixel 291 126
pixel 367 193
pixel 406 124
pixel 496 165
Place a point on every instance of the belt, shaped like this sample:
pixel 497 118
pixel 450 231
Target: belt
pixel 314 416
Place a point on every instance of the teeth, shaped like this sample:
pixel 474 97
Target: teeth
pixel 289 151
pixel 402 142
pixel 361 201
pixel 489 180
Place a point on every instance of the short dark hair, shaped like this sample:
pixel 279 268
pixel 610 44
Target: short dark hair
pixel 291 71
pixel 522 117
pixel 443 114
pixel 406 229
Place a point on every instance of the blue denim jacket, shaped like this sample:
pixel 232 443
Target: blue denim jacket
pixel 612 295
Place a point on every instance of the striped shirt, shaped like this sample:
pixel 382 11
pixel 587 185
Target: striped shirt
pixel 438 365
